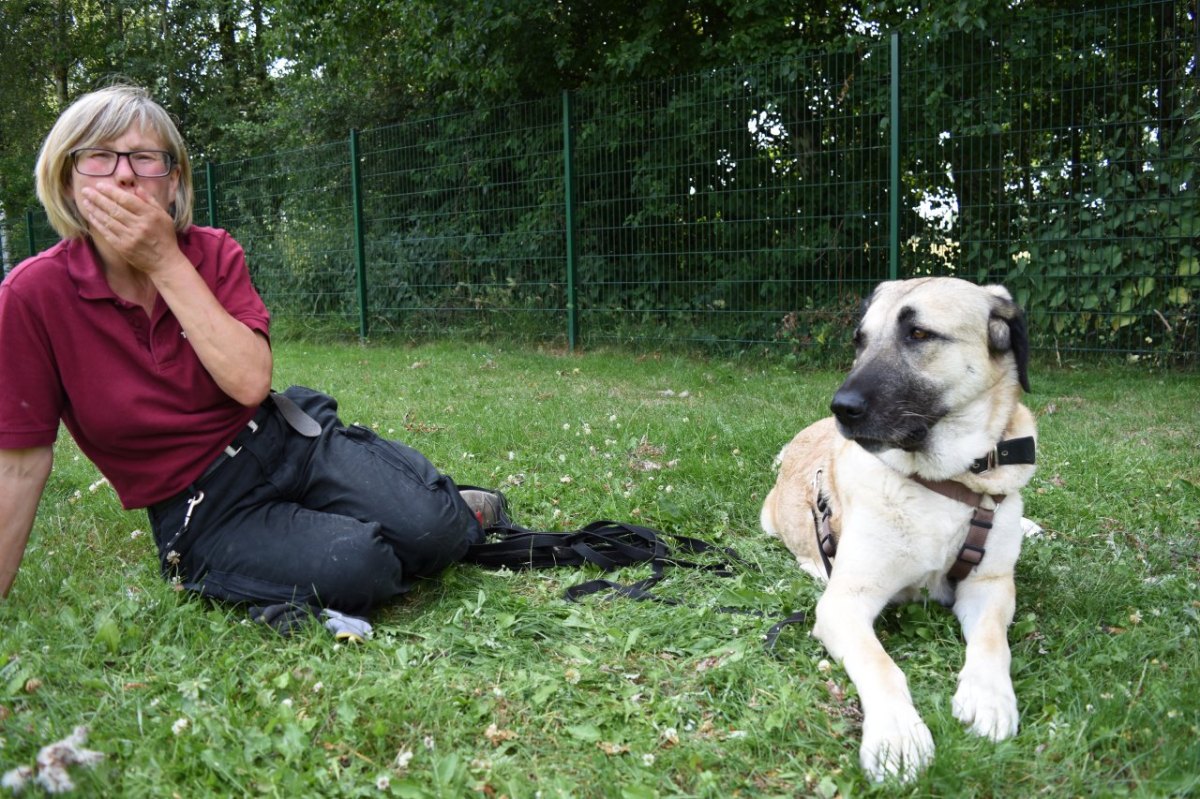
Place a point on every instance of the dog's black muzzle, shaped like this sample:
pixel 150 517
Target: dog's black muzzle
pixel 881 410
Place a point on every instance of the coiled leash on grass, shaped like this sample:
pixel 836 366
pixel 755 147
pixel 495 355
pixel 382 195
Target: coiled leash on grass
pixel 610 545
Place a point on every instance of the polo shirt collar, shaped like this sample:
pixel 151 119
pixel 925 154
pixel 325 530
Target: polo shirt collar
pixel 84 268
pixel 83 265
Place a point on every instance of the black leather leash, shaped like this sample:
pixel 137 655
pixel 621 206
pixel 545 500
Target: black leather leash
pixel 608 544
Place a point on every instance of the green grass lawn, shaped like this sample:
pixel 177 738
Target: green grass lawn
pixel 490 684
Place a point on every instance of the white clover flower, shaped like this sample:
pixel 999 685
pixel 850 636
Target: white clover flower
pixel 403 758
pixel 648 759
pixel 180 726
pixel 572 676
pixel 383 782
pixel 318 687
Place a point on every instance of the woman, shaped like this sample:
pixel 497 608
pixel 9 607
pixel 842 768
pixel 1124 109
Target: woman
pixel 144 335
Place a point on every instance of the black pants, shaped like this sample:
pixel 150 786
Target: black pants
pixel 345 519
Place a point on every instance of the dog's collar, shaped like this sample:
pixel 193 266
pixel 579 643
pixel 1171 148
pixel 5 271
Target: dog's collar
pixel 1009 451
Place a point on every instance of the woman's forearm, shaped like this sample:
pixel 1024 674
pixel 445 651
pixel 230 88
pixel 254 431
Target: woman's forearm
pixel 23 474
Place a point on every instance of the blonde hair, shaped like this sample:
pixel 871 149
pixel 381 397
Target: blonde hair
pixel 96 117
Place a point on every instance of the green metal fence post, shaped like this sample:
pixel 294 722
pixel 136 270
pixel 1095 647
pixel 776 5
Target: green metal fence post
pixel 894 163
pixel 569 200
pixel 360 250
pixel 29 233
pixel 210 190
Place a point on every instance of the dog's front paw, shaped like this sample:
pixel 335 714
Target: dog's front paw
pixel 989 706
pixel 895 743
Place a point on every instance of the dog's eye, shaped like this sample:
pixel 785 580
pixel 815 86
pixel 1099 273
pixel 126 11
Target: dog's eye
pixel 919 334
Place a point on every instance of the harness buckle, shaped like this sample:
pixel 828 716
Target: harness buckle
pixel 986 463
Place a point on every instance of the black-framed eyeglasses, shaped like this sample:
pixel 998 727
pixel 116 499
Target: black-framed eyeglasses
pixel 98 162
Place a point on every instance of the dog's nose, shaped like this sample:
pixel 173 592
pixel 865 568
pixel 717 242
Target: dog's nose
pixel 849 406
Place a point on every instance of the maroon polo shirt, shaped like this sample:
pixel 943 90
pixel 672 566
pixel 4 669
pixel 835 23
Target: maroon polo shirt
pixel 128 387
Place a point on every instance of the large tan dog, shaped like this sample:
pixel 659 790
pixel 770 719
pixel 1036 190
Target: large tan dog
pixel 914 487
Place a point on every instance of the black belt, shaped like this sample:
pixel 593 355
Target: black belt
pixel 235 446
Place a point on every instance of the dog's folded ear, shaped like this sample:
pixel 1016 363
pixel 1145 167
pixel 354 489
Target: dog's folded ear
pixel 1007 331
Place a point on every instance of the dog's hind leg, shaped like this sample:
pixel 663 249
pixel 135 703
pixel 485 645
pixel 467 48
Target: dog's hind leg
pixel 985 699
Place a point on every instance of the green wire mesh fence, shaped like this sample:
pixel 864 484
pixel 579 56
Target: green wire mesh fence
pixel 753 208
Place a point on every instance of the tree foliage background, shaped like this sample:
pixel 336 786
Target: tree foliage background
pixel 246 77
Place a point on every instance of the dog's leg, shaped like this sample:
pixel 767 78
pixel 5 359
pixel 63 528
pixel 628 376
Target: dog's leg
pixel 895 741
pixel 985 698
